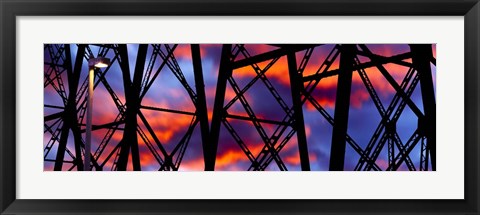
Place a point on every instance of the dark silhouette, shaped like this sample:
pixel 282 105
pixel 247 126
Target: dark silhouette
pixel 70 119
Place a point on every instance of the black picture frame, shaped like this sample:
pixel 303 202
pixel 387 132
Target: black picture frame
pixel 10 9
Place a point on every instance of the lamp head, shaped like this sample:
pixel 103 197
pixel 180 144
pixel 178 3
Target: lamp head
pixel 99 62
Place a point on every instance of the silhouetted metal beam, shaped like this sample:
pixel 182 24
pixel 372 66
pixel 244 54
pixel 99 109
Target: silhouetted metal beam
pixel 75 127
pixel 53 116
pixel 225 71
pixel 296 86
pixel 270 55
pixel 102 126
pixel 53 106
pixel 365 65
pixel 201 103
pixel 152 133
pixel 167 110
pixel 275 122
pixel 127 83
pixel 409 146
pixel 124 66
pixel 421 57
pixel 155 75
pixel 51 160
pixel 62 145
pixel 70 113
pixel 342 106
pixel 392 81
pixel 132 96
pixel 400 62
pixel 407 87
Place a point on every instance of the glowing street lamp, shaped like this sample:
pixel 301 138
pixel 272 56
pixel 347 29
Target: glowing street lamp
pixel 99 62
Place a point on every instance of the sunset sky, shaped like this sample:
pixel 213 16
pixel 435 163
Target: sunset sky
pixel 167 92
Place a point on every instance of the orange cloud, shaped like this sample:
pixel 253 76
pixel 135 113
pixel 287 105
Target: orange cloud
pixel 278 71
pixel 357 98
pixel 166 125
pixel 225 159
pixel 147 159
pixel 192 165
pixel 230 157
pixel 184 50
pixel 230 94
pixel 294 159
pixel 177 98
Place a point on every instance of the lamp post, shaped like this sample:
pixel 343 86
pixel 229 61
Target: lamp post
pixel 99 62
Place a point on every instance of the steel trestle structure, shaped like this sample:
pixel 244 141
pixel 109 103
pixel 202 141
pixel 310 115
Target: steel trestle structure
pixel 131 131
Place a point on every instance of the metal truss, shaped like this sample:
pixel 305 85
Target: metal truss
pixel 65 124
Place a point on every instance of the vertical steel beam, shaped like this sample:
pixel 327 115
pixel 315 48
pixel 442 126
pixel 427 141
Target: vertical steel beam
pixel 75 127
pixel 127 83
pixel 201 104
pixel 132 96
pixel 421 56
pixel 296 85
pixel 62 145
pixel 390 129
pixel 137 85
pixel 342 106
pixel 224 72
pixel 70 113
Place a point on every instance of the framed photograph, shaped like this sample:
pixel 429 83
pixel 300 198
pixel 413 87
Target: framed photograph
pixel 257 107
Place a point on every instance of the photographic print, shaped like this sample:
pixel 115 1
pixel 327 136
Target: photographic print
pixel 239 107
